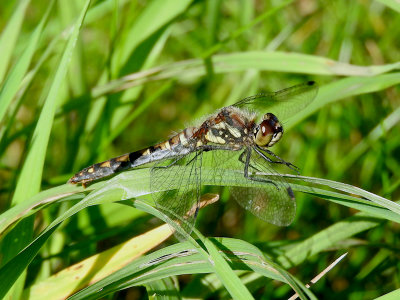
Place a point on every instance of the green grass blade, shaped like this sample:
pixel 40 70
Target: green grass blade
pixel 393 4
pixel 267 61
pixel 13 80
pixel 165 288
pixel 390 205
pixel 393 295
pixel 181 258
pixel 101 9
pixel 127 185
pixel 262 18
pixel 374 136
pixel 30 178
pixel 132 184
pixel 294 63
pixel 97 267
pixel 229 279
pixel 10 35
pixel 345 88
pixel 327 238
pixel 28 183
pixel 107 193
pixel 146 25
pixel 35 203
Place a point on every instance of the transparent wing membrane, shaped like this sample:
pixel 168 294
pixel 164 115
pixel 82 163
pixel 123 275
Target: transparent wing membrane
pixel 176 184
pixel 284 103
pixel 268 204
pixel 266 194
pixel 272 202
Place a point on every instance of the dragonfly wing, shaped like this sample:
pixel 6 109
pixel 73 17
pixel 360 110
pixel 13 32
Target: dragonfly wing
pixel 269 203
pixel 270 199
pixel 176 189
pixel 274 201
pixel 284 103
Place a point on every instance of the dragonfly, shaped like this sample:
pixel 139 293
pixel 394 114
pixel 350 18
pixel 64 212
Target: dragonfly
pixel 229 144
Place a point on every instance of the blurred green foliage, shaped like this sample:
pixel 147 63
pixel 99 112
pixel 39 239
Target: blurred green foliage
pixel 143 69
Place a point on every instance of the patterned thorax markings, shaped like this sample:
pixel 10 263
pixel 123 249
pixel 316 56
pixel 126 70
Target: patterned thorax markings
pixel 230 126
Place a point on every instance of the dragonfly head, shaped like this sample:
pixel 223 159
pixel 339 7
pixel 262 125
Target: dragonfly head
pixel 269 131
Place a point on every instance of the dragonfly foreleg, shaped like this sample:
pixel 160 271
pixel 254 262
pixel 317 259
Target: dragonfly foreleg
pixel 254 178
pixel 279 161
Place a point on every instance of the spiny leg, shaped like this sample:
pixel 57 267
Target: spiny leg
pixel 197 154
pixel 243 162
pixel 250 177
pixel 280 161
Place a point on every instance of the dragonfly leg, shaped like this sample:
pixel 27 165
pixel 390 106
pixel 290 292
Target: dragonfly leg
pixel 254 178
pixel 279 161
pixel 197 154
pixel 244 162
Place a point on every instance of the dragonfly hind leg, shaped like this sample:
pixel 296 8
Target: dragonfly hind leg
pixel 280 160
pixel 246 170
pixel 244 162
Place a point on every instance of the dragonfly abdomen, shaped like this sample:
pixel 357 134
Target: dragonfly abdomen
pixel 168 149
pixel 103 169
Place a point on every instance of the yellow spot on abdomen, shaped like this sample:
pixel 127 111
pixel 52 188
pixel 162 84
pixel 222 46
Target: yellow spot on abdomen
pixel 106 164
pixel 123 158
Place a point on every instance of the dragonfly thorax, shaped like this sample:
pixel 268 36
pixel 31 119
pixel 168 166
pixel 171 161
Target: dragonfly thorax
pixel 269 131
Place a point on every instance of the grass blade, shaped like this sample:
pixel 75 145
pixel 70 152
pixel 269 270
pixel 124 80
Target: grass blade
pixel 97 267
pixel 9 37
pixel 29 184
pixel 13 81
pixel 393 4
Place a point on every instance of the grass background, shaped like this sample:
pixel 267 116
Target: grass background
pixel 85 81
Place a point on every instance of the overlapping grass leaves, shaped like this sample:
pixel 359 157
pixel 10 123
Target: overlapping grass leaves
pixel 133 184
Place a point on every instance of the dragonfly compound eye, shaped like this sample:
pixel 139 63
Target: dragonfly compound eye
pixel 269 132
